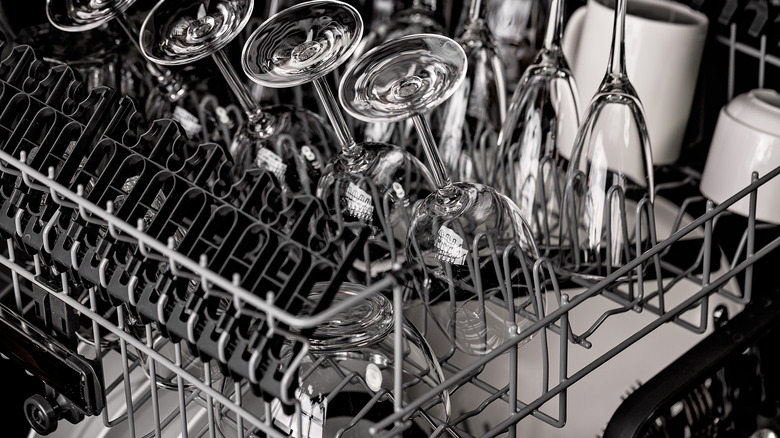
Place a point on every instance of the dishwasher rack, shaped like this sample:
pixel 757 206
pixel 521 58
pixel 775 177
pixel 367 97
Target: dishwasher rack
pixel 118 344
pixel 720 387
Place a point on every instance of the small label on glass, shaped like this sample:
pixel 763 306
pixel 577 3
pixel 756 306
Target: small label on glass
pixel 268 160
pixel 449 247
pixel 189 122
pixel 359 203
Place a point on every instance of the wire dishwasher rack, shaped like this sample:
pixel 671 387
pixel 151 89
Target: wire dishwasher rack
pixel 152 293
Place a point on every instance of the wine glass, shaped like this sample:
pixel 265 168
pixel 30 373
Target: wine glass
pixel 181 354
pixel 609 173
pixel 167 92
pixel 459 233
pixel 374 183
pixel 347 381
pixel 391 20
pixel 418 18
pixel 517 27
pixel 94 55
pixel 535 142
pixel 287 141
pixel 382 13
pixel 472 117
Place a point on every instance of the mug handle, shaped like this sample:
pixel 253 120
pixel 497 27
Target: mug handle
pixel 571 35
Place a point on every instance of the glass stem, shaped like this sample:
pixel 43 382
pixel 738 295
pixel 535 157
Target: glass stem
pixel 617 57
pixel 440 175
pixel 347 142
pixel 242 94
pixel 552 35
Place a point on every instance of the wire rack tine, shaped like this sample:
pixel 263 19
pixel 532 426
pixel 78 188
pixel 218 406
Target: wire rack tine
pixel 148 244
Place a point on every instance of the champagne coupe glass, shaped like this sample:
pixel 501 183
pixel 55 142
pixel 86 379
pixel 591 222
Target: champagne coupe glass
pixel 166 92
pixel 534 145
pixel 303 44
pixel 458 233
pixel 348 379
pixel 472 117
pixel 610 171
pixel 289 142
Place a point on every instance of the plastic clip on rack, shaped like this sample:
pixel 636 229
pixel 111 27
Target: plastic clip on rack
pixel 181 197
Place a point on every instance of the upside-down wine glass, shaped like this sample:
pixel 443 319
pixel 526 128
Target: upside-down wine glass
pixel 348 379
pixel 535 142
pixel 167 97
pixel 517 27
pixel 472 117
pixel 303 44
pixel 382 13
pixel 419 17
pixel 393 20
pixel 458 233
pixel 290 142
pixel 610 172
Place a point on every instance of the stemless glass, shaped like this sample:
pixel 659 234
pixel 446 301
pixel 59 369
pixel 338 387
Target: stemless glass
pixel 374 183
pixel 472 117
pixel 348 379
pixel 459 233
pixel 167 93
pixel 289 142
pixel 534 145
pixel 611 170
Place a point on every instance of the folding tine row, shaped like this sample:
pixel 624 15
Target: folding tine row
pixel 188 196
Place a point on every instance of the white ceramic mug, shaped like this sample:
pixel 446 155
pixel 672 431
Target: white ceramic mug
pixel 746 139
pixel 664 42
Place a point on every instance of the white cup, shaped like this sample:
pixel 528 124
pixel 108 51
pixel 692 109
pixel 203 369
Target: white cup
pixel 746 140
pixel 664 42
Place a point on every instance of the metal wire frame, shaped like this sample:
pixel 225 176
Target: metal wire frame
pixel 242 299
pixel 759 54
pixel 555 322
pixel 709 286
pixel 130 362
